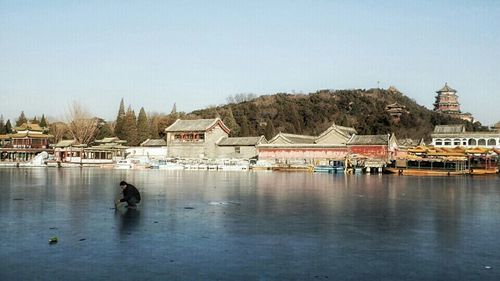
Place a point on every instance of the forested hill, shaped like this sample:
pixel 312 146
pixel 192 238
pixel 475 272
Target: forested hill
pixel 311 114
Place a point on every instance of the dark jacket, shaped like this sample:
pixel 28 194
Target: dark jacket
pixel 129 192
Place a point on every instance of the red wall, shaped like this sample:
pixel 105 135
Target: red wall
pixel 372 151
pixel 303 153
pixel 338 153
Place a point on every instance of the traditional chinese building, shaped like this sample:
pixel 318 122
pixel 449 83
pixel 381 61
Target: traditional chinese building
pixel 405 145
pixel 299 149
pixel 239 148
pixel 374 151
pixel 283 138
pixel 396 110
pixel 195 138
pixel 30 136
pixel 4 140
pixel 104 151
pixel 27 141
pixel 447 103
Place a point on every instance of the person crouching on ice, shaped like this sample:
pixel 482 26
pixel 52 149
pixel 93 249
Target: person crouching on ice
pixel 130 195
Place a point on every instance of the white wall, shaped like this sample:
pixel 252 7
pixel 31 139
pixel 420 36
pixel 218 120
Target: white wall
pixel 151 152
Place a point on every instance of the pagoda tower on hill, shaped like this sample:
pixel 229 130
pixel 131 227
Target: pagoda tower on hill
pixel 447 103
pixel 447 100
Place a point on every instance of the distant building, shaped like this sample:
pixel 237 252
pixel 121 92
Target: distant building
pixel 106 151
pixel 447 103
pixel 154 149
pixel 335 134
pixel 379 149
pixel 323 149
pixel 405 145
pixel 195 138
pixel 30 136
pixel 26 142
pixel 5 140
pixel 239 148
pixel 496 127
pixel 282 138
pixel 456 135
pixel 393 90
pixel 396 110
pixel 410 143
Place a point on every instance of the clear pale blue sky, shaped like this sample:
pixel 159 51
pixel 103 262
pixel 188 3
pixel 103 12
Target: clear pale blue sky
pixel 196 53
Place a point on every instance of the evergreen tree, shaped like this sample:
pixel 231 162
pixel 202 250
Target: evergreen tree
pixel 43 122
pixel 21 119
pixel 130 128
pixel 248 115
pixel 270 132
pixel 119 128
pixel 231 122
pixel 294 119
pixel 2 126
pixel 104 130
pixel 154 120
pixel 34 120
pixel 142 126
pixel 8 127
pixel 244 128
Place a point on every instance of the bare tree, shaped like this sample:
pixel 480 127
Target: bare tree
pixel 241 97
pixel 58 130
pixel 82 126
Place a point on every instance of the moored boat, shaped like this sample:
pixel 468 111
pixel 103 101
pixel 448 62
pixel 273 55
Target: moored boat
pixel 124 164
pixel 328 169
pixel 446 162
pixel 424 172
pixel 234 165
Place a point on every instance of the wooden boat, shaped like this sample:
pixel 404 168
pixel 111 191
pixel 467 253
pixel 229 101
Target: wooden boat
pixel 418 166
pixel 293 168
pixel 489 171
pixel 425 172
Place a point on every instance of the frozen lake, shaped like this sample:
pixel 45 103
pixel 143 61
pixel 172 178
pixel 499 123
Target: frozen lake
pixel 196 225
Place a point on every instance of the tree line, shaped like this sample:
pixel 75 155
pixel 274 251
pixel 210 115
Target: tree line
pixel 82 126
pixel 311 114
pixel 249 115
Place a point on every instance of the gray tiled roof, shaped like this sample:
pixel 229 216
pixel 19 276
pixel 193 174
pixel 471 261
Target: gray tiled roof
pixel 298 138
pixel 369 140
pixel 347 132
pixel 30 126
pixel 154 142
pixel 242 141
pixel 467 135
pixel 409 142
pixel 449 129
pixel 192 125
pixel 65 143
pixel 395 105
pixel 110 140
pixel 446 88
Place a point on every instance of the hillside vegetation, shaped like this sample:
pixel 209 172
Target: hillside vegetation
pixel 311 114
